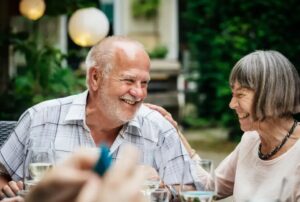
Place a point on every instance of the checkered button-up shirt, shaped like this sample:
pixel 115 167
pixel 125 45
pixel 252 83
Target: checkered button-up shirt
pixel 62 121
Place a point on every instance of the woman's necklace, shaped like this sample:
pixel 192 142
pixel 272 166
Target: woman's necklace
pixel 278 147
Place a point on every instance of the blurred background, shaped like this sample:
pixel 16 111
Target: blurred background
pixel 193 46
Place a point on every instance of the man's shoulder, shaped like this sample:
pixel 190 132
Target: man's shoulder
pixel 150 114
pixel 152 125
pixel 150 117
pixel 53 103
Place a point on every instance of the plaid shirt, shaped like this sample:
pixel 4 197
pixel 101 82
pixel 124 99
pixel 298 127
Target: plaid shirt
pixel 62 121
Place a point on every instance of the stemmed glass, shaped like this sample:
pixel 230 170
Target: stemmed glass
pixel 205 173
pixel 40 159
pixel 159 195
pixel 152 183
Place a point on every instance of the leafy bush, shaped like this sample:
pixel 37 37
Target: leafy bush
pixel 42 77
pixel 145 8
pixel 219 34
pixel 159 52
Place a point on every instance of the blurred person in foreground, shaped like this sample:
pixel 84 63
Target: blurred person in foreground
pixel 110 112
pixel 75 181
pixel 265 96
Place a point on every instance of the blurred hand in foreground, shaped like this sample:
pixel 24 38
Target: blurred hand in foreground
pixel 75 181
pixel 149 171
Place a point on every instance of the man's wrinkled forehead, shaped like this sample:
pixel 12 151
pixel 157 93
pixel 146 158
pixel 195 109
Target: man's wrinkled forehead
pixel 129 48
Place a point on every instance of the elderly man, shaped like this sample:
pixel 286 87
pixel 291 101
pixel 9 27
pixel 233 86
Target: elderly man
pixel 109 112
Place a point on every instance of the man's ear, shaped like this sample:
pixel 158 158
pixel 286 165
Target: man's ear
pixel 94 78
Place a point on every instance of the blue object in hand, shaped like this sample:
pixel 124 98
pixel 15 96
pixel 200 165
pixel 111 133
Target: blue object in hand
pixel 104 161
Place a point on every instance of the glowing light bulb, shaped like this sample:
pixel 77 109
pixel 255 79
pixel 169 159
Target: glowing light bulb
pixel 32 9
pixel 87 26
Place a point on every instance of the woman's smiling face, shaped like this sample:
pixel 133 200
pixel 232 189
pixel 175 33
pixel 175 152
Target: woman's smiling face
pixel 241 102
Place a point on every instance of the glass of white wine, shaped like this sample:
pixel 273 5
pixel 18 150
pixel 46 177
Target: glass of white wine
pixel 153 181
pixel 159 195
pixel 40 159
pixel 205 170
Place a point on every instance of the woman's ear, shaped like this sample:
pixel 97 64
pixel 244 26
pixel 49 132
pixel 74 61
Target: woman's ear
pixel 94 78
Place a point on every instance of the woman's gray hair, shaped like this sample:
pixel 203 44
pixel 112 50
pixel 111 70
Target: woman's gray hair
pixel 275 82
pixel 102 54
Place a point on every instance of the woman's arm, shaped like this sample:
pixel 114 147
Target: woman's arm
pixel 225 175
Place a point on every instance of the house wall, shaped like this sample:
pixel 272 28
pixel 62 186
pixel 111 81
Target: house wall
pixel 151 33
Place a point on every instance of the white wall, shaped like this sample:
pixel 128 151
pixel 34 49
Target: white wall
pixel 143 30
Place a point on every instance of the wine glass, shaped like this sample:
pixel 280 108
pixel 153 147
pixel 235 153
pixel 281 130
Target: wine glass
pixel 205 173
pixel 149 162
pixel 40 159
pixel 159 195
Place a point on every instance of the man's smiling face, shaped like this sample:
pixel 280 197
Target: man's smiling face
pixel 123 90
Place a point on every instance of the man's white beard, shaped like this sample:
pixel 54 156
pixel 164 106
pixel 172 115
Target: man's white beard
pixel 113 109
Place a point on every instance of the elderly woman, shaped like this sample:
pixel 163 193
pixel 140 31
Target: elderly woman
pixel 265 96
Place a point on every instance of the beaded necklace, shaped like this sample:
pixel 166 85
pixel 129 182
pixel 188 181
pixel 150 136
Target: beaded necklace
pixel 278 147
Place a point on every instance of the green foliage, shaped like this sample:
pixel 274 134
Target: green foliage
pixel 145 8
pixel 219 33
pixel 68 6
pixel 159 52
pixel 196 122
pixel 42 77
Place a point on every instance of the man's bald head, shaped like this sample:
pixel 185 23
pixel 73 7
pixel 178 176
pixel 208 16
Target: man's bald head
pixel 102 55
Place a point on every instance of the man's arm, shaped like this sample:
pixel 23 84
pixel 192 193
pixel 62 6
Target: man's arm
pixel 12 152
pixel 12 157
pixel 7 186
pixel 4 179
pixel 4 176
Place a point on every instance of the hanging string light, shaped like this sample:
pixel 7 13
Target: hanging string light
pixel 87 26
pixel 32 9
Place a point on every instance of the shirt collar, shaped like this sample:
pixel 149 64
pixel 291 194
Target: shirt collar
pixel 77 112
pixel 77 108
pixel 134 127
